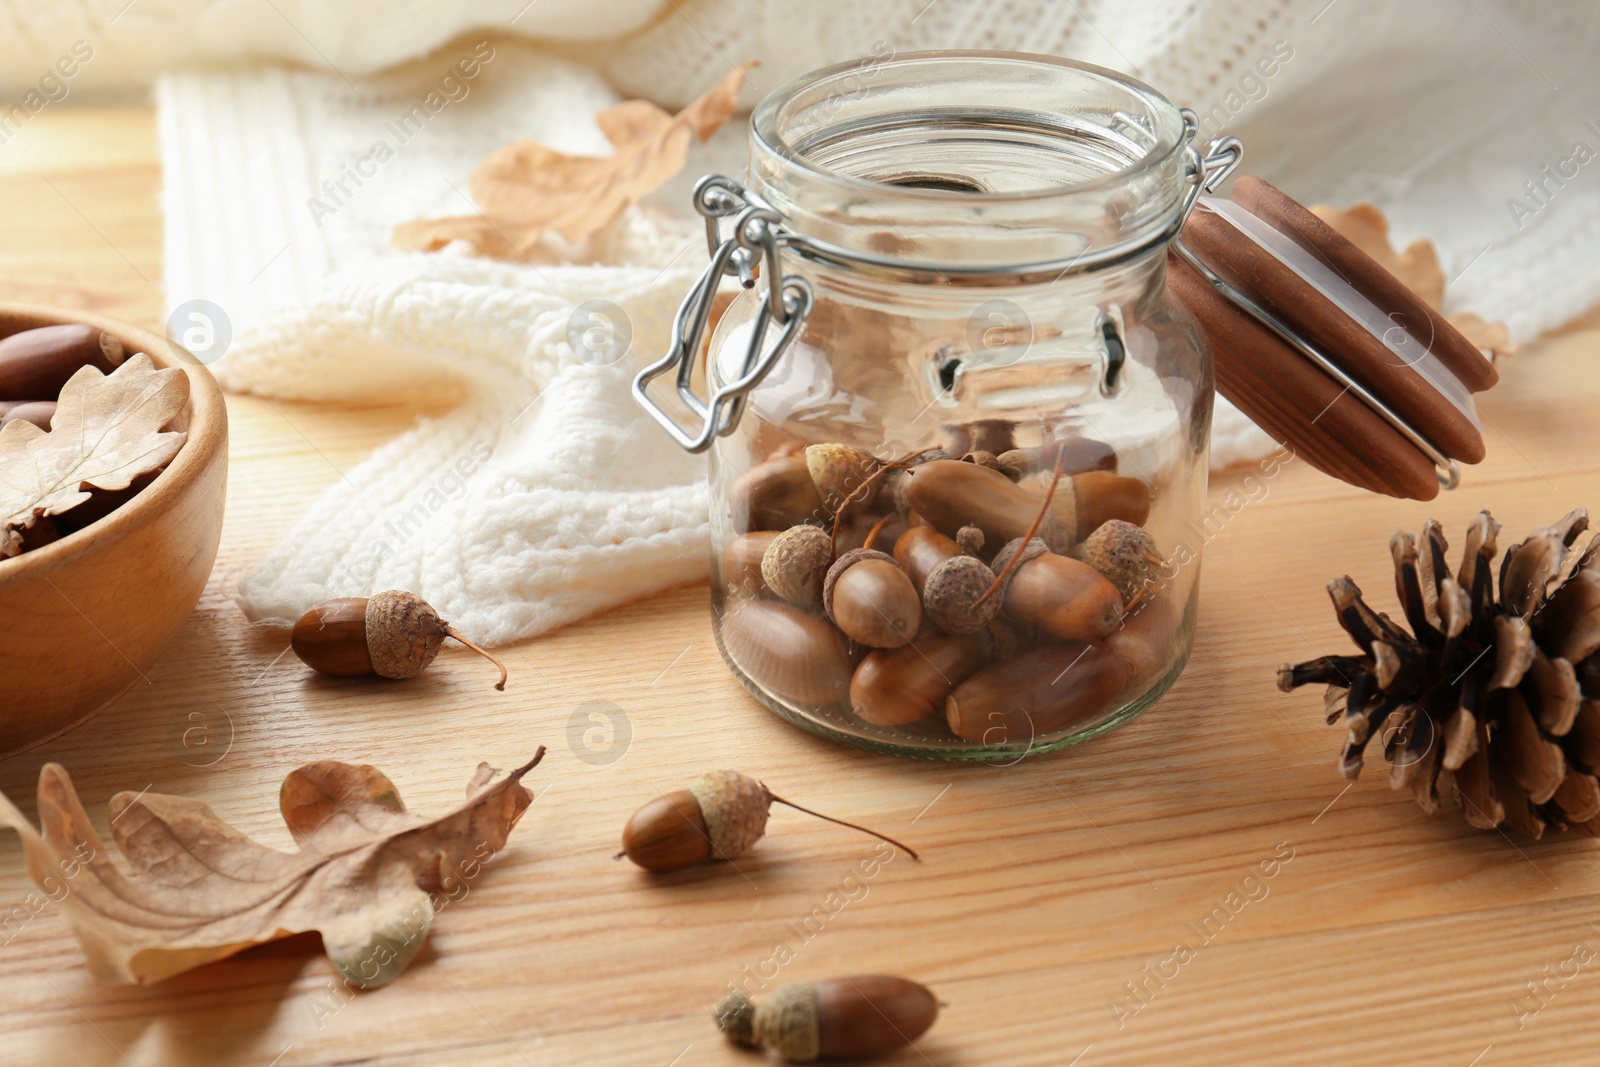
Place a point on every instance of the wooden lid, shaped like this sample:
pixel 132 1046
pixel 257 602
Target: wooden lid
pixel 1327 292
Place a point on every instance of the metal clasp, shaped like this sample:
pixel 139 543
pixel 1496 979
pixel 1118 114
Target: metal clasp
pixel 1206 172
pixel 753 242
pixel 787 302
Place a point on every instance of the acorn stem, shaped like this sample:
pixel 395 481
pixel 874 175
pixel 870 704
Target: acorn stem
pixel 858 493
pixel 501 684
pixel 1016 557
pixel 829 818
pixel 877 528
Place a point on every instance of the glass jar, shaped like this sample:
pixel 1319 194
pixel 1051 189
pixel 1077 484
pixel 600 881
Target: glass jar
pixel 973 319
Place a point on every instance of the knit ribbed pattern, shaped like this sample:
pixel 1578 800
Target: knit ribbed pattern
pixel 544 496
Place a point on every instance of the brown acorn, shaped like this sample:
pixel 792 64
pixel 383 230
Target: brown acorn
pixel 1017 464
pixel 393 634
pixel 792 654
pixel 719 817
pixel 1145 639
pixel 1036 693
pixel 896 686
pixel 871 599
pixel 38 412
pixel 35 364
pixel 837 1018
pixel 920 549
pixel 1056 595
pixel 1103 495
pixel 775 495
pixel 951 494
pixel 741 561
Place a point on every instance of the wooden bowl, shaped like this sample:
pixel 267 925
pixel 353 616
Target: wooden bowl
pixel 83 619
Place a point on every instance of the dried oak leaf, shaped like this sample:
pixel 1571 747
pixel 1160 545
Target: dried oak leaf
pixel 1418 267
pixel 526 189
pixel 200 890
pixel 106 432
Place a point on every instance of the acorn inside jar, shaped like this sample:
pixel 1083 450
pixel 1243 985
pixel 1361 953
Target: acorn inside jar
pixel 958 429
pixel 951 597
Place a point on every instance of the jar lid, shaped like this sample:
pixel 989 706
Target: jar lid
pixel 1326 350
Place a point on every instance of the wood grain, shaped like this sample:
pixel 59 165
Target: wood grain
pixel 1047 888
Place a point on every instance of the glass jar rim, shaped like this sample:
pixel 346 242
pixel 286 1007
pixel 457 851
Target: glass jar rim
pixel 1170 140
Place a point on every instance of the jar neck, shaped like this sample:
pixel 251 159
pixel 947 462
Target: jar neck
pixel 1134 285
pixel 890 161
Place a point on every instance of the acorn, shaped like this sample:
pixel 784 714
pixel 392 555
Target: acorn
pixel 1017 464
pixel 1122 552
pixel 775 495
pixel 951 494
pixel 1056 595
pixel 849 1018
pixel 393 634
pixel 896 686
pixel 869 597
pixel 795 565
pixel 1035 693
pixel 791 654
pixel 920 549
pixel 843 476
pixel 1104 495
pixel 741 561
pixel 35 364
pixel 1146 639
pixel 719 817
pixel 984 459
pixel 38 412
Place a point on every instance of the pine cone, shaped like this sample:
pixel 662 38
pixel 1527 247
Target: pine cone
pixel 1494 702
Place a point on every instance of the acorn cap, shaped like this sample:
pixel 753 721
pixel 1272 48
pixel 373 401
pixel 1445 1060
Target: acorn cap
pixel 404 633
pixel 1002 560
pixel 795 564
pixel 735 809
pixel 970 540
pixel 786 1022
pixel 1340 301
pixel 844 563
pixel 950 595
pixel 843 473
pixel 736 1018
pixel 1121 552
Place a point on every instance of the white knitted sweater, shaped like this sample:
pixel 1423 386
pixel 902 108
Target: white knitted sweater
pixel 1443 114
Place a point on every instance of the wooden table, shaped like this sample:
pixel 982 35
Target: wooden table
pixel 1382 937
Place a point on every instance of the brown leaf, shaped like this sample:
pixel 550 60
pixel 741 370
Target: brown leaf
pixel 1418 267
pixel 106 432
pixel 526 189
pixel 200 890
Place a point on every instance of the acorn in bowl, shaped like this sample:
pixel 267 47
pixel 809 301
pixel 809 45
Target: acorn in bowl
pixel 110 510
